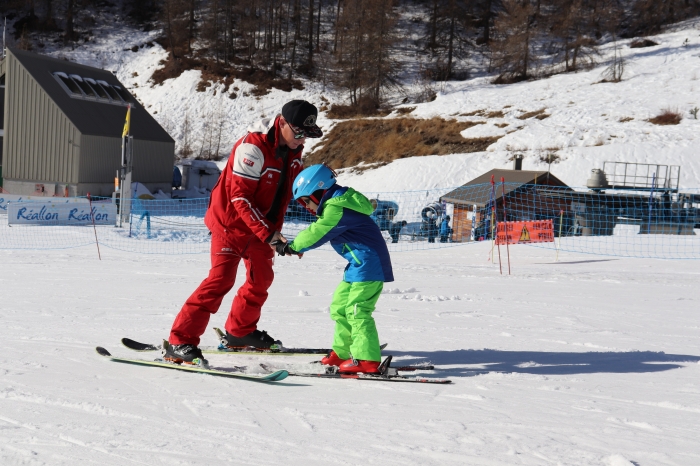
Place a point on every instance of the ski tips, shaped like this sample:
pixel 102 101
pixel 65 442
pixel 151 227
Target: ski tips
pixel 278 375
pixel 138 346
pixel 102 351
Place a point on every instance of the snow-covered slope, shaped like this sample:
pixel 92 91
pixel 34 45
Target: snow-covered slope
pixel 589 123
pixel 581 362
pixel 577 362
pixel 586 125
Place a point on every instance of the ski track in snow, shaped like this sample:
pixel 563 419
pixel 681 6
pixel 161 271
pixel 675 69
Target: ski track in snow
pixel 560 363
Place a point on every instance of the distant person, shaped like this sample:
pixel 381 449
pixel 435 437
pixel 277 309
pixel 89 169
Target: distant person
pixel 445 230
pixel 395 230
pixel 343 218
pixel 432 227
pixel 245 215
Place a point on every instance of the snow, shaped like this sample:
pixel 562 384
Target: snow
pixel 584 127
pixel 584 361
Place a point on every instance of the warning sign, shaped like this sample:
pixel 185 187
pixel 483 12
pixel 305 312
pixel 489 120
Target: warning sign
pixel 524 235
pixel 536 231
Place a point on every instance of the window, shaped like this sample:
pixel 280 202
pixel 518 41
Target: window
pixel 97 88
pixel 110 91
pixel 122 93
pixel 80 87
pixel 85 87
pixel 69 83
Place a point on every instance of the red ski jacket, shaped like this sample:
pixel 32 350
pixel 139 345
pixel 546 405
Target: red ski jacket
pixel 240 202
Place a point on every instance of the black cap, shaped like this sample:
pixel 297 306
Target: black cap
pixel 302 115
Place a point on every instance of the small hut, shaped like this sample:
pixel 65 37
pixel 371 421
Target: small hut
pixel 475 201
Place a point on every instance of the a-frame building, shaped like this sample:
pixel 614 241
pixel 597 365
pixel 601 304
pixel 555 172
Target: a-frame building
pixel 61 126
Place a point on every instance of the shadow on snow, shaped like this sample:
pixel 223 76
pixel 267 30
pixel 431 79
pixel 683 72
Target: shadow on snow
pixel 543 363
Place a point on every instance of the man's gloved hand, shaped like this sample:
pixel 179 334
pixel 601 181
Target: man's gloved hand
pixel 283 249
pixel 274 238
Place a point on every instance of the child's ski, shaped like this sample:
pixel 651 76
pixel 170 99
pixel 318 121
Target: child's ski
pixel 387 374
pixel 274 376
pixel 408 368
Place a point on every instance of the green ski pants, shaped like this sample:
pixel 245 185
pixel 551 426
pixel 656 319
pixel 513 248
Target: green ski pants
pixel 355 330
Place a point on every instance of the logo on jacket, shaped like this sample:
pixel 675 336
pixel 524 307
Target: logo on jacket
pixel 250 163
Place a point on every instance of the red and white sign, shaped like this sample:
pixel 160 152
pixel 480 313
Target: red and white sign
pixel 535 231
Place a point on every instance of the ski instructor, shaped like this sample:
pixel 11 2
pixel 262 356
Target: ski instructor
pixel 245 216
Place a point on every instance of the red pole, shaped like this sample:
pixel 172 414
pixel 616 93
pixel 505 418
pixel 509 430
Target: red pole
pixel 495 219
pixel 94 227
pixel 505 220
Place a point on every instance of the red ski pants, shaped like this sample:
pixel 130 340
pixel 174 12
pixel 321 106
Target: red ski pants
pixel 193 318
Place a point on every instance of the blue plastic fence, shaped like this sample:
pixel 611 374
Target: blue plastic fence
pixel 653 223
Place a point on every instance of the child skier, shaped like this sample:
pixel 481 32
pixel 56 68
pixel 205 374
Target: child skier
pixel 343 219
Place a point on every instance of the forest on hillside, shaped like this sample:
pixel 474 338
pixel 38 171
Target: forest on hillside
pixel 365 47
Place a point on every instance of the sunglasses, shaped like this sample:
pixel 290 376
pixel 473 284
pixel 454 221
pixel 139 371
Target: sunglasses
pixel 298 133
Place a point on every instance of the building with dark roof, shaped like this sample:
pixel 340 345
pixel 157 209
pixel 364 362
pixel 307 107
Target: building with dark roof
pixel 474 201
pixel 61 130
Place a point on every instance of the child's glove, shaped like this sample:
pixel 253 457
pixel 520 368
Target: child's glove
pixel 283 249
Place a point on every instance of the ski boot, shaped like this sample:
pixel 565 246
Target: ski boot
pixel 184 354
pixel 354 366
pixel 332 360
pixel 256 339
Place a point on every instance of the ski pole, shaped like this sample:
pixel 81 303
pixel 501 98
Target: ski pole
pixel 495 215
pixel 505 220
pixel 491 223
pixel 561 221
pixel 651 200
pixel 92 216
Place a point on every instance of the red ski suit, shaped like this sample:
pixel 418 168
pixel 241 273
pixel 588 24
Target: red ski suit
pixel 240 222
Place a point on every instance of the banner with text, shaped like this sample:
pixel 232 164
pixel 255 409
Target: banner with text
pixel 60 213
pixel 538 231
pixel 7 199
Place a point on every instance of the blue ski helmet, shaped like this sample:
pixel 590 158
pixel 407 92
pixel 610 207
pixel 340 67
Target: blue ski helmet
pixel 312 179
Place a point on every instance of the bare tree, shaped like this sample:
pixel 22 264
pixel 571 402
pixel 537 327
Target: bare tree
pixel 613 73
pixel 649 16
pixel 573 27
pixel 176 26
pixel 485 12
pixel 310 56
pixel 296 21
pixel 366 62
pixel 70 32
pixel 447 35
pixel 513 50
pixel 185 140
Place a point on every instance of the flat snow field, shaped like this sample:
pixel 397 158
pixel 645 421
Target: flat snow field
pixel 587 361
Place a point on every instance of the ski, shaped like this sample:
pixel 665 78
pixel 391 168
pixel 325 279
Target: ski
pixel 409 368
pixel 274 376
pixel 222 349
pixel 143 347
pixel 387 374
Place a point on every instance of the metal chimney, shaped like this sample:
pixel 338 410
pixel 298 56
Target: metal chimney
pixel 598 180
pixel 518 162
